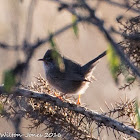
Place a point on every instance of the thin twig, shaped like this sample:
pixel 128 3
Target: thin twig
pixel 8 47
pixel 120 5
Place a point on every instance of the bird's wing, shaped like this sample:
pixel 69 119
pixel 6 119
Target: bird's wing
pixel 71 66
pixel 72 72
pixel 68 76
pixel 75 77
pixel 71 75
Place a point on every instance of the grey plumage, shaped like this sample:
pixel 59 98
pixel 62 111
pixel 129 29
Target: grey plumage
pixel 73 80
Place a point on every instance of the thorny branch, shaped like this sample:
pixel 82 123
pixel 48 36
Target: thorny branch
pixel 100 119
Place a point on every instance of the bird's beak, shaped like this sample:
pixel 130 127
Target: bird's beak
pixel 40 59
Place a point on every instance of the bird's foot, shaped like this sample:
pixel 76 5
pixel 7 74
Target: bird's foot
pixel 58 96
pixel 79 100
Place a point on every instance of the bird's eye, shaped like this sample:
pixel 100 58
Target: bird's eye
pixel 48 59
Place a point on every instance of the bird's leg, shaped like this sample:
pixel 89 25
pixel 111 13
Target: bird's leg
pixel 58 96
pixel 79 101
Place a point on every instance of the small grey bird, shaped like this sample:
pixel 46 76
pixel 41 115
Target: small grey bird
pixel 74 78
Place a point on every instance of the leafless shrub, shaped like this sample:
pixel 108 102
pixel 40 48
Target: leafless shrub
pixel 131 47
pixel 69 124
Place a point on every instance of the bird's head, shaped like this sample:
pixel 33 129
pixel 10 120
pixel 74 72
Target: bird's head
pixel 48 57
pixel 53 58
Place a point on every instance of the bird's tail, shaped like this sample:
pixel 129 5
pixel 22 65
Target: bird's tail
pixel 86 68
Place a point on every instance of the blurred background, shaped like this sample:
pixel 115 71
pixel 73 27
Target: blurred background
pixel 24 21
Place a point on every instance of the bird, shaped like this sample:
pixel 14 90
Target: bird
pixel 73 78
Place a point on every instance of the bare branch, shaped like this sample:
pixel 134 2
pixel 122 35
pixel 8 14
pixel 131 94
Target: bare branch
pixel 99 23
pixel 6 46
pixel 120 5
pixel 59 31
pixel 39 42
